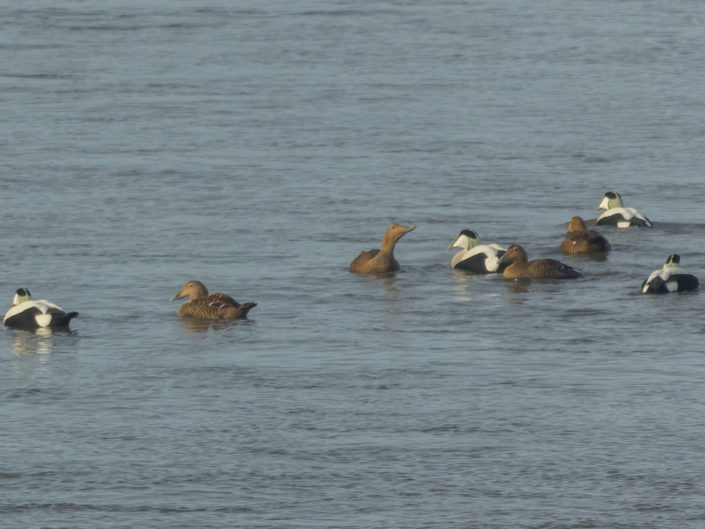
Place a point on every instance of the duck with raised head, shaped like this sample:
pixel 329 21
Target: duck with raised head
pixel 27 313
pixel 204 306
pixel 519 266
pixel 582 240
pixel 380 261
pixel 475 257
pixel 670 278
pixel 617 214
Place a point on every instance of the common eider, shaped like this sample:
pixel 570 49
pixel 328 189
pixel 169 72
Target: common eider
pixel 581 240
pixel 475 257
pixel 209 307
pixel 522 268
pixel 617 214
pixel 27 313
pixel 381 260
pixel 670 278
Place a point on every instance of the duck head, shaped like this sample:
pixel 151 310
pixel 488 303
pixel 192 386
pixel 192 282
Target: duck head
pixel 21 295
pixel 466 239
pixel 193 290
pixel 673 261
pixel 610 200
pixel 394 233
pixel 577 224
pixel 514 254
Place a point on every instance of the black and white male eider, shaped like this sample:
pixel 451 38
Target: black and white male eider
pixel 475 257
pixel 27 313
pixel 670 278
pixel 617 214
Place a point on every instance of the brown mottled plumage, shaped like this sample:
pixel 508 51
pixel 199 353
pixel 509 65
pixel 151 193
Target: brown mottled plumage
pixel 209 307
pixel 381 260
pixel 580 239
pixel 521 267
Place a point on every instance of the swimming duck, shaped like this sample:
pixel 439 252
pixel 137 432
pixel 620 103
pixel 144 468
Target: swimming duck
pixel 670 278
pixel 580 239
pixel 475 257
pixel 618 214
pixel 28 313
pixel 520 267
pixel 381 260
pixel 209 307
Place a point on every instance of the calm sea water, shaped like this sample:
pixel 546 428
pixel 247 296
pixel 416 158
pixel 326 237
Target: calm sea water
pixel 259 148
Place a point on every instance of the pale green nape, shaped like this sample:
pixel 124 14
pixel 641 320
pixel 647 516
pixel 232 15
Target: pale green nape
pixel 615 202
pixel 471 242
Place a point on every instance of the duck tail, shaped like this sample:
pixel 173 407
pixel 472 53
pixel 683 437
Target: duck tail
pixel 246 307
pixel 61 320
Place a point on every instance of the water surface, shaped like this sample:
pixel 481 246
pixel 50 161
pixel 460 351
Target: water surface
pixel 259 148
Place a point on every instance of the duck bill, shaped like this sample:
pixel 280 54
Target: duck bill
pixel 452 245
pixel 175 297
pixel 603 205
pixel 407 229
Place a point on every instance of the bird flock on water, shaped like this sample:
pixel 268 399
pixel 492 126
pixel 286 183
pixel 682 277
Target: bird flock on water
pixel 512 262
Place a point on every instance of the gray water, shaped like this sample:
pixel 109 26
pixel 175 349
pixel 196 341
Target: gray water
pixel 259 147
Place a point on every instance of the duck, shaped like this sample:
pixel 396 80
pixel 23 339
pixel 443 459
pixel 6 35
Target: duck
pixel 29 314
pixel 670 278
pixel 204 306
pixel 475 257
pixel 617 214
pixel 519 266
pixel 380 261
pixel 581 240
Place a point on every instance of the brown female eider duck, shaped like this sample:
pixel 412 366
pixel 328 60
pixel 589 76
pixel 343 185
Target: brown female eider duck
pixel 617 214
pixel 29 314
pixel 580 239
pixel 381 260
pixel 521 267
pixel 209 307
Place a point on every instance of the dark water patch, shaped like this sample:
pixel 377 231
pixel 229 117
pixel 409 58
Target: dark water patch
pixel 70 507
pixel 26 392
pixel 39 76
pixel 346 13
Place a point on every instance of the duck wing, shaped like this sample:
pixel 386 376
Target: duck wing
pixel 367 255
pixel 24 318
pixel 552 269
pixel 215 307
pixel 472 263
pixel 588 241
pixel 597 241
pixel 223 299
pixel 611 216
pixel 480 260
pixel 623 217
pixel 367 262
pixel 686 282
pixel 641 221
